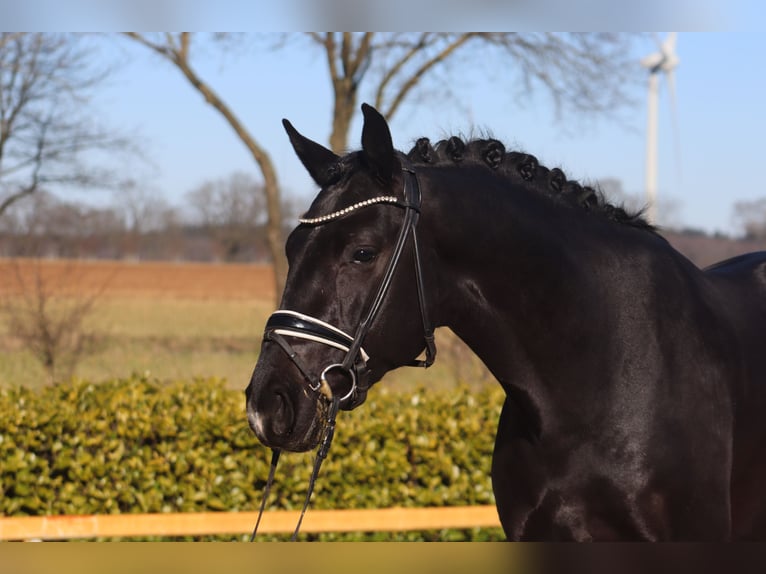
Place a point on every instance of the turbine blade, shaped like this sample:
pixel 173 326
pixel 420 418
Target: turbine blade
pixel 669 45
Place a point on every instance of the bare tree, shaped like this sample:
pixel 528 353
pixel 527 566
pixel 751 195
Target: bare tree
pixel 46 309
pixel 230 210
pixel 46 226
pixel 176 49
pixel 143 210
pixel 584 72
pixel 45 124
pixel 750 217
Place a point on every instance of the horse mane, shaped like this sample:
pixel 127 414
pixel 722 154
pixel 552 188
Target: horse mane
pixel 525 169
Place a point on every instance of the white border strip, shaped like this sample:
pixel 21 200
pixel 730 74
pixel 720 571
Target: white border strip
pixel 316 338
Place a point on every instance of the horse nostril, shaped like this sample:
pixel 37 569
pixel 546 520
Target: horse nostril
pixel 283 418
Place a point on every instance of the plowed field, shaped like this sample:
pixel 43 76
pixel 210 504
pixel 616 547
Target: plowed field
pixel 172 321
pixel 125 279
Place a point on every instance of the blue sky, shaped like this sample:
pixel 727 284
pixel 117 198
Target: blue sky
pixel 720 93
pixel 297 15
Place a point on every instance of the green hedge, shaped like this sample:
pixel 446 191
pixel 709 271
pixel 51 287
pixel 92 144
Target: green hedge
pixel 137 445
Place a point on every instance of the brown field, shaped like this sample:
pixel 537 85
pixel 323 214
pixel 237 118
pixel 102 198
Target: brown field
pixel 167 320
pixel 151 279
pixel 173 321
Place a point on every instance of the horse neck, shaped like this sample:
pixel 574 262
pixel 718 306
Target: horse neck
pixel 511 279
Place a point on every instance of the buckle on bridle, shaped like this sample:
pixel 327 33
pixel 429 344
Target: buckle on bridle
pixel 324 387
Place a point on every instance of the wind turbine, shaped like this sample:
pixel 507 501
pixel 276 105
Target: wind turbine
pixel 665 62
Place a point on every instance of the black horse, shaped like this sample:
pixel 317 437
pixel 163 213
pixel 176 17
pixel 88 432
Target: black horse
pixel 635 382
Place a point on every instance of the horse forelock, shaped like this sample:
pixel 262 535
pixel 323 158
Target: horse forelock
pixel 522 168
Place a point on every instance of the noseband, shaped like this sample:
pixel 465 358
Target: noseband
pixel 286 323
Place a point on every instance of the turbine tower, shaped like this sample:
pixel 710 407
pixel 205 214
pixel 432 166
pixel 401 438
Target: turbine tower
pixel 665 62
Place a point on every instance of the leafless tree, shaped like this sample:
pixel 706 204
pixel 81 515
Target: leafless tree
pixel 231 210
pixel 45 123
pixel 47 226
pixel 176 49
pixel 750 217
pixel 45 308
pixel 143 210
pixel 584 72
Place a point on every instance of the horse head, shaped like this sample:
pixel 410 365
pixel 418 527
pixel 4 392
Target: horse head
pixel 353 308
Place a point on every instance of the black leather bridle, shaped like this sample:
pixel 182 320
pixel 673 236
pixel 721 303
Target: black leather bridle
pixel 286 323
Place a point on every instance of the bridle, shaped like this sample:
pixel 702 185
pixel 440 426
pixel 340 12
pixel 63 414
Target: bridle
pixel 286 323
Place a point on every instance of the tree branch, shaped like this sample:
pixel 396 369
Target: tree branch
pixel 395 69
pixel 330 47
pixel 177 53
pixel 159 48
pixel 415 78
pixel 46 80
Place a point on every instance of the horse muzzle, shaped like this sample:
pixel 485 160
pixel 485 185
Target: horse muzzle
pixel 282 418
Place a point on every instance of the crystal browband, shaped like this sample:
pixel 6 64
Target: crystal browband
pixel 349 209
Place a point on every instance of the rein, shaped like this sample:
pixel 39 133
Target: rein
pixel 285 323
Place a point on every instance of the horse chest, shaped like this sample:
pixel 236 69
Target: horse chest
pixel 597 509
pixel 598 495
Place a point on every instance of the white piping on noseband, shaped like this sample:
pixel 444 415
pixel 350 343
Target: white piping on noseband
pixel 317 338
pixel 349 209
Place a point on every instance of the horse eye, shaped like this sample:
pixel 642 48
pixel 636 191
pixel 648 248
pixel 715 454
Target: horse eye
pixel 364 255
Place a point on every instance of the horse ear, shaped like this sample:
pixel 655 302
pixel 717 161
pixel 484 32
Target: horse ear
pixel 318 160
pixel 377 147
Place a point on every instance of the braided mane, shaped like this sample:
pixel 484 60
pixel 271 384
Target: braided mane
pixel 525 169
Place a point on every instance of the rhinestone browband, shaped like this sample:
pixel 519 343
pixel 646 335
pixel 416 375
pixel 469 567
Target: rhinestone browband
pixel 349 209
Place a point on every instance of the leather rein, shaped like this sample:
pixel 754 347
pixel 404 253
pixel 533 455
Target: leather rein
pixel 285 323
